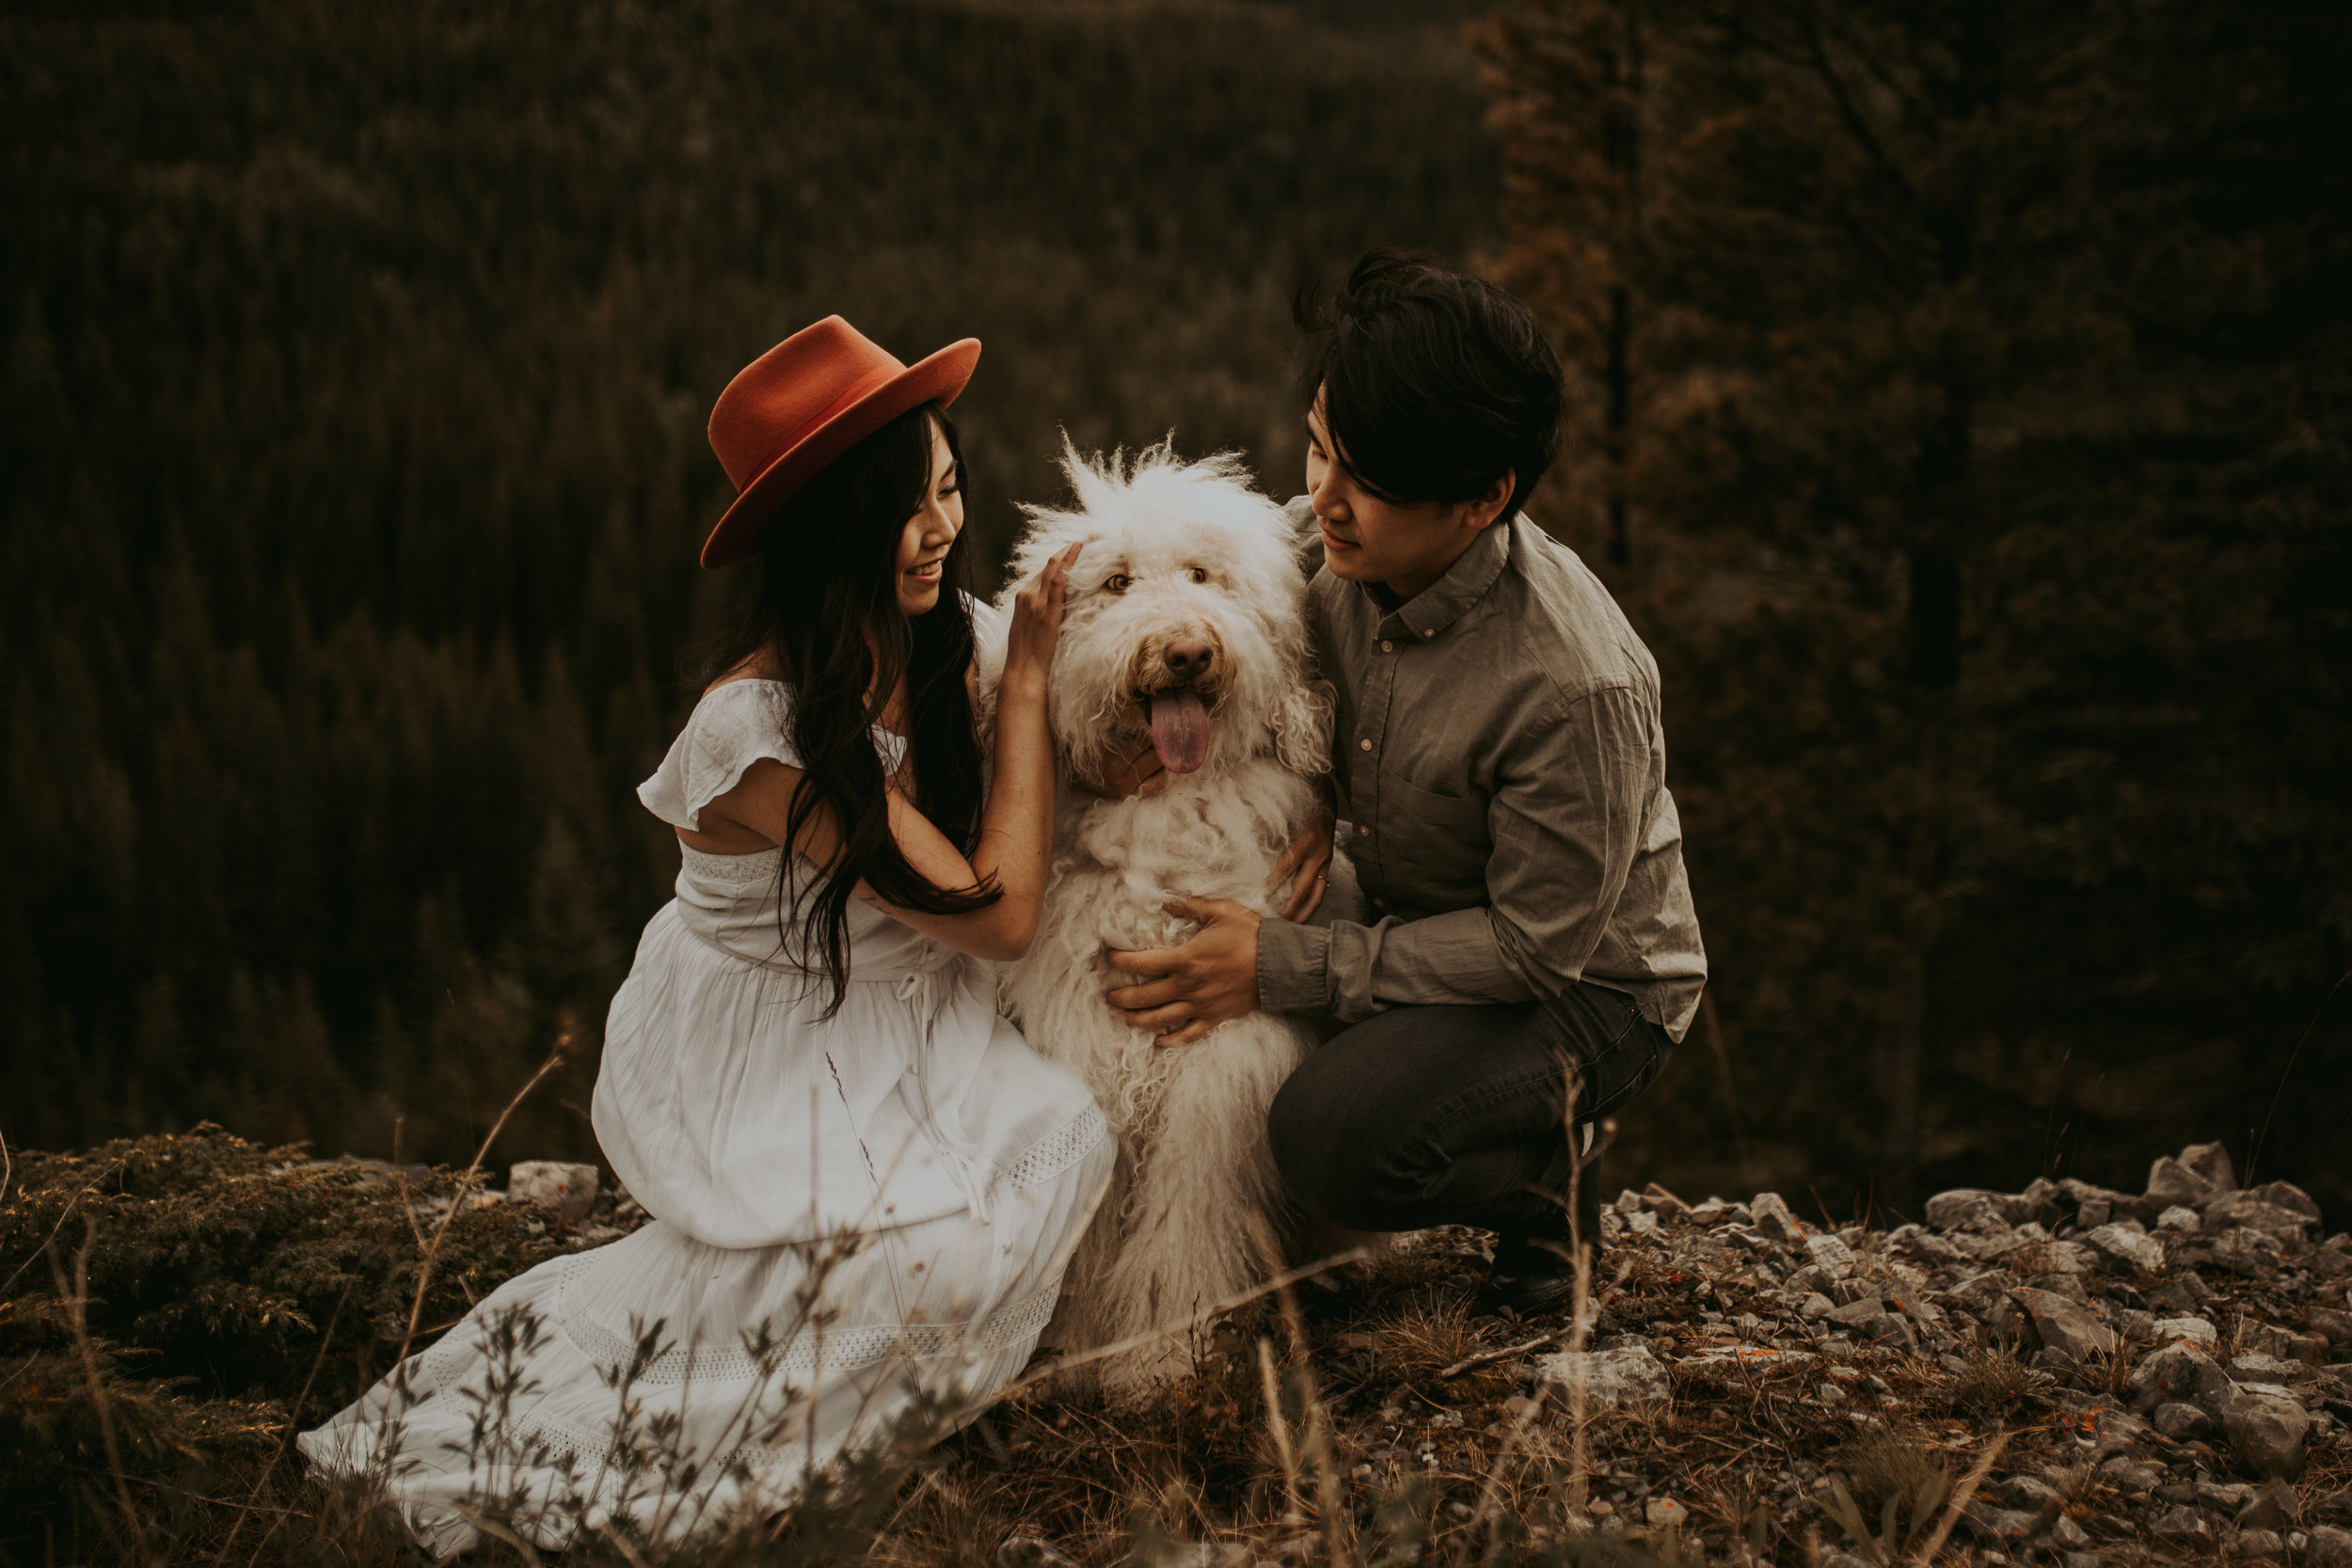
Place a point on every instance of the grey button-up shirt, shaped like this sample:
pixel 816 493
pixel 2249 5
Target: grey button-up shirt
pixel 1501 774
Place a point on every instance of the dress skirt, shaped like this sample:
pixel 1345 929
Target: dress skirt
pixel 543 1407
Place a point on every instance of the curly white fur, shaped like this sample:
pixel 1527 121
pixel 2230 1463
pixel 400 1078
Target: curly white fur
pixel 1175 552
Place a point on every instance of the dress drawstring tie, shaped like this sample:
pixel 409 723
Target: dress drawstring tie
pixel 978 1173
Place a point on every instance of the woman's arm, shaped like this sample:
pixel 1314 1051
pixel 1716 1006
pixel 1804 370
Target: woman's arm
pixel 1016 838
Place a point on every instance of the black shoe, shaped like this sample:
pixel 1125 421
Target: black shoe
pixel 1534 1267
pixel 1532 1277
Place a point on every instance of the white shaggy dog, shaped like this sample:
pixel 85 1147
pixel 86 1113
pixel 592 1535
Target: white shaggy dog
pixel 1183 628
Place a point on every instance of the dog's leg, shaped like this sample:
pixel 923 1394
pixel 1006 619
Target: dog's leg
pixel 1205 1187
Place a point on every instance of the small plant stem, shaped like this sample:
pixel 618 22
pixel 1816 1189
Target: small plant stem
pixel 77 1299
pixel 1488 1357
pixel 64 1214
pixel 1316 1440
pixel 1580 1319
pixel 293 1418
pixel 465 1181
pixel 1276 1423
pixel 629 1554
pixel 1490 1492
pixel 1134 1341
pixel 1961 1495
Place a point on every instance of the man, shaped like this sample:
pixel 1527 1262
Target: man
pixel 1500 770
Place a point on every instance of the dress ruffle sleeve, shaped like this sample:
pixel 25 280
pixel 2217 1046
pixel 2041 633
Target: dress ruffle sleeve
pixel 736 726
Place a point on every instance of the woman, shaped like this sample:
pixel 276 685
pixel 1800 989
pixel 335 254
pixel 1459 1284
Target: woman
pixel 864 1186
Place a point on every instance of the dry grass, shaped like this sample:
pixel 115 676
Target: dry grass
pixel 1317 1427
pixel 1312 1431
pixel 1891 1461
pixel 1410 1339
pixel 1991 1382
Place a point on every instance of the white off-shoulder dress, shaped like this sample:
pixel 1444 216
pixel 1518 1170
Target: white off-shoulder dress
pixel 855 1218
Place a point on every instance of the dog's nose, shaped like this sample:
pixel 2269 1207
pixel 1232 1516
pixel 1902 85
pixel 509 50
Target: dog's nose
pixel 1187 661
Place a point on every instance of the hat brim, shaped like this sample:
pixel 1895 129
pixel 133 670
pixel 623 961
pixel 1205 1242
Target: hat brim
pixel 936 378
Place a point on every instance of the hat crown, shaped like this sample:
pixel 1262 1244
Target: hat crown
pixel 804 403
pixel 790 390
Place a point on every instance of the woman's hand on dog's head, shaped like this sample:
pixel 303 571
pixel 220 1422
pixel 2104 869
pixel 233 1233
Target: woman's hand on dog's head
pixel 1036 611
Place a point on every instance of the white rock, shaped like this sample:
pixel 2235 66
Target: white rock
pixel 1630 1379
pixel 2075 1258
pixel 2257 1368
pixel 1191 1554
pixel 2178 1218
pixel 1664 1513
pixel 1968 1209
pixel 2128 1244
pixel 2194 1331
pixel 1030 1551
pixel 1831 1254
pixel 1771 1216
pixel 569 1190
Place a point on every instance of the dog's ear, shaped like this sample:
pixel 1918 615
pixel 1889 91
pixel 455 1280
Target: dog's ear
pixel 1302 726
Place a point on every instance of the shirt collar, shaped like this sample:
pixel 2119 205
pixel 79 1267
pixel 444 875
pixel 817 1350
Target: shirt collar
pixel 1448 599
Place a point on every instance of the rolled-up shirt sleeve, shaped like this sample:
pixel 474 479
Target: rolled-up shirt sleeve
pixel 1566 819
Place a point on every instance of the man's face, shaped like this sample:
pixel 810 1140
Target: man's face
pixel 1365 539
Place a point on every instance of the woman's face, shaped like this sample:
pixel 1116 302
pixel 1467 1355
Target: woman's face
pixel 923 544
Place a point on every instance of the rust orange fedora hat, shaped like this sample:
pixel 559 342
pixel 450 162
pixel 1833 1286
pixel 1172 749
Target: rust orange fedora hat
pixel 804 403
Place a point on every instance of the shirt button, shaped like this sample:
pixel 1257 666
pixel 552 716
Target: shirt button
pixel 1365 829
pixel 1387 647
pixel 1431 632
pixel 1366 744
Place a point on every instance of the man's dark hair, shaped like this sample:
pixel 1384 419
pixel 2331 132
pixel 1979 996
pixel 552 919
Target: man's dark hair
pixel 1434 383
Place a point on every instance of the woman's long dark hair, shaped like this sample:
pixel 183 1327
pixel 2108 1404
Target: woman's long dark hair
pixel 828 582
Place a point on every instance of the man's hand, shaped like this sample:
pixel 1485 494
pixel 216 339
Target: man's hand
pixel 1305 865
pixel 1139 774
pixel 1191 990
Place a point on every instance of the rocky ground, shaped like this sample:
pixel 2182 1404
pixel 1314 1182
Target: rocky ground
pixel 2067 1375
pixel 2169 1373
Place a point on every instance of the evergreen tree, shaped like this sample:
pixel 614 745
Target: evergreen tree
pixel 1968 446
pixel 354 367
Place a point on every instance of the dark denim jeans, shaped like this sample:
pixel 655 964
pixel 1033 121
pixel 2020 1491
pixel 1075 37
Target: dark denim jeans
pixel 1456 1115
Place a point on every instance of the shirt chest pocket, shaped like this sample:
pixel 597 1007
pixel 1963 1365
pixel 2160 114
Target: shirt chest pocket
pixel 1436 849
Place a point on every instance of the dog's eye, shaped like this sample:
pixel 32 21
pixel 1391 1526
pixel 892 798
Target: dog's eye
pixel 1119 583
pixel 1198 574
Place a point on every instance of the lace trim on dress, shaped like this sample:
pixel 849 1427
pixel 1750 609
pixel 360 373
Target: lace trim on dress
pixel 812 1349
pixel 1059 1150
pixel 760 865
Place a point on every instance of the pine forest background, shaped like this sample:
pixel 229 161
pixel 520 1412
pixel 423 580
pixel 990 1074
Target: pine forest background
pixel 1962 411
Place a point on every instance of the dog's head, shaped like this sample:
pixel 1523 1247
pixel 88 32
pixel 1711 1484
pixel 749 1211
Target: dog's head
pixel 1183 621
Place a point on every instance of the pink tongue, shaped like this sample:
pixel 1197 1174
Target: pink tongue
pixel 1180 729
